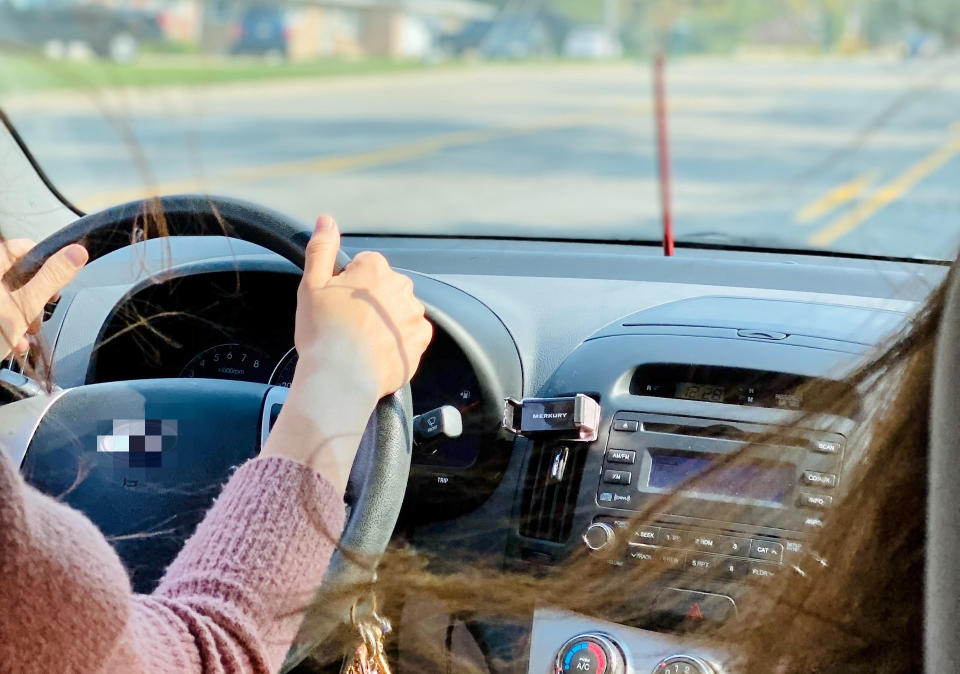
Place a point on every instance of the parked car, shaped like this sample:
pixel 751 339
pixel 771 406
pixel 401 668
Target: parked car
pixel 262 30
pixel 593 43
pixel 59 27
pixel 467 41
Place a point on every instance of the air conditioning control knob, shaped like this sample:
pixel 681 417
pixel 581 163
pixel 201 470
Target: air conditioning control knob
pixel 685 664
pixel 598 536
pixel 591 653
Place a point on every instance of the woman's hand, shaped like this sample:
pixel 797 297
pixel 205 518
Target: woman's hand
pixel 20 310
pixel 359 336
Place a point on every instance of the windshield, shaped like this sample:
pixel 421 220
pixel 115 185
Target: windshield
pixel 795 124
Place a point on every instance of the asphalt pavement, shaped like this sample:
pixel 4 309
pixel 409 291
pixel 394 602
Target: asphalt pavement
pixel 855 154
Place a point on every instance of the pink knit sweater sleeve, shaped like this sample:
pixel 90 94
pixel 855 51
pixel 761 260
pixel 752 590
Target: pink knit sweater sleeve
pixel 228 603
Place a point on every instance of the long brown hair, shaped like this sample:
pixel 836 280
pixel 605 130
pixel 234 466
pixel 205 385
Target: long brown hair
pixel 851 603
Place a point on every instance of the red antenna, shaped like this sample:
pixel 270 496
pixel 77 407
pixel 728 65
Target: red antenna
pixel 663 150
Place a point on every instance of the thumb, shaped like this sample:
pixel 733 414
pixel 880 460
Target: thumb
pixel 53 276
pixel 322 252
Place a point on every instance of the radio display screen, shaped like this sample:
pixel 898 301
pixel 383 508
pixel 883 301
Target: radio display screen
pixel 760 480
pixel 736 386
pixel 705 392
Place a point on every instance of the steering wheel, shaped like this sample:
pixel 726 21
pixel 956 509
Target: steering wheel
pixel 214 424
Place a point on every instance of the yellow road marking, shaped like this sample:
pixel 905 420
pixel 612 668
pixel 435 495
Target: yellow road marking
pixel 326 165
pixel 836 197
pixel 888 193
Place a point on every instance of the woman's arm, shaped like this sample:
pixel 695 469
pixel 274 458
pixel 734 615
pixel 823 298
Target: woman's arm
pixel 232 600
pixel 230 603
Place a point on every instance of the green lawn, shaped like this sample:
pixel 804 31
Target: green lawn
pixel 26 72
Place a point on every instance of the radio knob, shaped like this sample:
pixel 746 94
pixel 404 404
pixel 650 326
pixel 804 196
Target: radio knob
pixel 598 536
pixel 590 654
pixel 685 664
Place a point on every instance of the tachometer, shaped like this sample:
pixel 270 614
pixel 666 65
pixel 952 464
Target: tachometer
pixel 230 361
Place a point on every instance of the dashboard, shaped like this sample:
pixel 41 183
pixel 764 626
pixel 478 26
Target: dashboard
pixel 687 360
pixel 238 325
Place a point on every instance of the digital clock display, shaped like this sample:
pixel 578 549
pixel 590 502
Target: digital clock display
pixel 703 392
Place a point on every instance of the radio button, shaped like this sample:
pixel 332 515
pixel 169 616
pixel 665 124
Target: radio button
pixel 767 550
pixel 627 456
pixel 645 536
pixel 760 571
pixel 673 538
pixel 827 446
pixel 812 477
pixel 626 425
pixel 643 554
pixel 738 547
pixel 617 523
pixel 703 563
pixel 617 477
pixel 705 542
pixel 815 501
pixel 672 559
pixel 732 568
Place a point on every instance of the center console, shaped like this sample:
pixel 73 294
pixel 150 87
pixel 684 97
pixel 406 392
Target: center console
pixel 717 455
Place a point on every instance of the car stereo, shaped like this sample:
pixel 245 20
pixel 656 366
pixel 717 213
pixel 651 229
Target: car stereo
pixel 729 471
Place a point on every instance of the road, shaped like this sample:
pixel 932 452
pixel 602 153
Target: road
pixel 856 155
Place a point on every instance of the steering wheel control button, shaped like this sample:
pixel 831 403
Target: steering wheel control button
pixel 626 425
pixel 684 664
pixel 689 609
pixel 598 536
pixel 767 550
pixel 815 479
pixel 626 456
pixel 815 501
pixel 590 654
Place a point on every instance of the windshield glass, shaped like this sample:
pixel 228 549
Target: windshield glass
pixel 802 124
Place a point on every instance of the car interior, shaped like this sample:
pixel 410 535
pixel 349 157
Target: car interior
pixel 679 358
pixel 575 377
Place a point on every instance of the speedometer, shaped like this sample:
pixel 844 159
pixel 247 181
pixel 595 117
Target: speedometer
pixel 230 361
pixel 445 377
pixel 283 374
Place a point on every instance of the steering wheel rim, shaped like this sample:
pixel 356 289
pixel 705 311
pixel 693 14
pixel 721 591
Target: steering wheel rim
pixel 380 472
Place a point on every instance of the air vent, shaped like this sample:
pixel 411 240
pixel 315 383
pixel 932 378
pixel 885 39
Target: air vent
pixel 550 491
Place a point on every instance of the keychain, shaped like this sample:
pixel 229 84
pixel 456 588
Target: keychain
pixel 369 657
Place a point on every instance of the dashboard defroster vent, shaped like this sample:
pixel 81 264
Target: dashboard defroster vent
pixel 550 490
